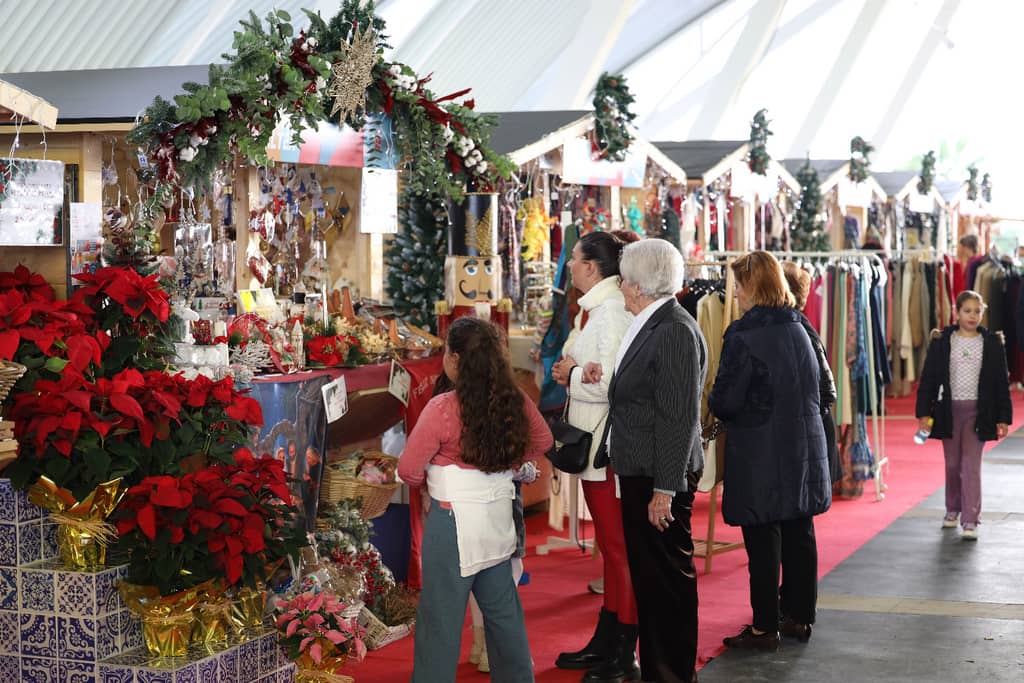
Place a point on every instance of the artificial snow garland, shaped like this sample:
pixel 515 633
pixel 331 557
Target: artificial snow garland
pixel 860 161
pixel 759 132
pixel 612 117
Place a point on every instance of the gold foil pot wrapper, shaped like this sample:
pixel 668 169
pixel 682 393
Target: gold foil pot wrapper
pixel 309 671
pixel 213 617
pixel 167 621
pixel 83 533
pixel 248 607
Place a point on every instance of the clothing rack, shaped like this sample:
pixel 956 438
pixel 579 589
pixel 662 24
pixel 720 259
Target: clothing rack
pixel 877 402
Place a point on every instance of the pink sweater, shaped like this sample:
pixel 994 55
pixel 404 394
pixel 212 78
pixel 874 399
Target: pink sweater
pixel 437 438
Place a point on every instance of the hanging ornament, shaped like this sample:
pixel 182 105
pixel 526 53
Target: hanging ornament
pixel 353 74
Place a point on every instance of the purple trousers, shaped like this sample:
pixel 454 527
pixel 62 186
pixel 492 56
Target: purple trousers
pixel 963 464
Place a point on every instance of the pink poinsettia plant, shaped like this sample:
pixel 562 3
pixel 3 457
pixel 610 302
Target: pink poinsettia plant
pixel 312 627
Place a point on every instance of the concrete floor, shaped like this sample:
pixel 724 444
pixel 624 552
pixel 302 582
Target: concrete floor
pixel 917 603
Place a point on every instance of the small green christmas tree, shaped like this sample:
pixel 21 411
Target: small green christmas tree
pixel 415 258
pixel 807 233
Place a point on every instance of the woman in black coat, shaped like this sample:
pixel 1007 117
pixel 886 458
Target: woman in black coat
pixel 776 468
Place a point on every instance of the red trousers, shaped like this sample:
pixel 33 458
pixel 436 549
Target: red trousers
pixel 606 511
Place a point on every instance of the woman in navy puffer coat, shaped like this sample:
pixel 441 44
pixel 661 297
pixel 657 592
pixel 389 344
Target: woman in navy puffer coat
pixel 776 464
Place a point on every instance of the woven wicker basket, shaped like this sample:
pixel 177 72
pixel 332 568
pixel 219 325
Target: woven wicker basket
pixel 379 634
pixel 375 497
pixel 9 374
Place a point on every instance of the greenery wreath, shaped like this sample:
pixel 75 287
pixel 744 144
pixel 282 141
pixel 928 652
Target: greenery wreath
pixel 275 72
pixel 860 159
pixel 612 117
pixel 759 132
pixel 927 176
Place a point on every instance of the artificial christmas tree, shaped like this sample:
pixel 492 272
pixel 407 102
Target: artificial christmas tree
pixel 415 258
pixel 807 233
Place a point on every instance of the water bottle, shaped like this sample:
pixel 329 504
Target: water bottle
pixel 921 436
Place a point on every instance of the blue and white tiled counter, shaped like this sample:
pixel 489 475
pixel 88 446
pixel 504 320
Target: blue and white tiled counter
pixel 60 626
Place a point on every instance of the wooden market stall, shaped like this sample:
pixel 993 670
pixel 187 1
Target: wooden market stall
pixel 912 215
pixel 99 107
pixel 28 117
pixel 847 203
pixel 737 209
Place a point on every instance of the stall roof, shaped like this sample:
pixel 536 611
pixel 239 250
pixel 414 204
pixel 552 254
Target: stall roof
pixel 518 129
pixel 18 104
pixel 895 183
pixel 697 157
pixel 107 95
pixel 949 189
pixel 826 168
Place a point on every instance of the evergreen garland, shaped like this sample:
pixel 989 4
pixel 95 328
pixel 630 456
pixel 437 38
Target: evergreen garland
pixel 986 187
pixel 807 233
pixel 924 185
pixel 415 257
pixel 612 117
pixel 972 182
pixel 759 132
pixel 860 161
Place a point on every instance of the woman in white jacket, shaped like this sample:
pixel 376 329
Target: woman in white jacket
pixel 595 272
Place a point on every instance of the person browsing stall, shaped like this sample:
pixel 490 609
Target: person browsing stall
pixel 595 273
pixel 465 446
pixel 655 450
pixel 767 391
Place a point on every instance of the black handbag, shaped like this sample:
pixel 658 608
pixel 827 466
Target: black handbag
pixel 571 450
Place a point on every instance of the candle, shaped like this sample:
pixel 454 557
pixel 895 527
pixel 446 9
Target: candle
pixel 220 328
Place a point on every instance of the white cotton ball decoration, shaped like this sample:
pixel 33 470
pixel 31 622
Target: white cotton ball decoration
pixel 187 154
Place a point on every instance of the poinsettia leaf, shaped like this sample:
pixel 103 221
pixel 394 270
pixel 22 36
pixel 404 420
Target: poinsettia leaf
pixel 9 340
pixel 55 365
pixel 127 405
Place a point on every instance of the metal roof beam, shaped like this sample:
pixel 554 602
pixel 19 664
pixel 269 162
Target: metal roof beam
pixel 657 22
pixel 750 48
pixel 837 75
pixel 935 34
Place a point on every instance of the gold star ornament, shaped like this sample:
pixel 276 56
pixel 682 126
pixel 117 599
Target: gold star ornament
pixel 353 74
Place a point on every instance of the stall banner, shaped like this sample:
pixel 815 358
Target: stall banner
pixel 295 432
pixel 579 166
pixel 330 145
pixel 31 202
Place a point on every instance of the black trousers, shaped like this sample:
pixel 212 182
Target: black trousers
pixel 790 545
pixel 664 581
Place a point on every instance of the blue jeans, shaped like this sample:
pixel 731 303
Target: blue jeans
pixel 442 611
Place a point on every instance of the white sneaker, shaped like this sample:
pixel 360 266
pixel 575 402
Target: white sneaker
pixel 970 533
pixel 949 521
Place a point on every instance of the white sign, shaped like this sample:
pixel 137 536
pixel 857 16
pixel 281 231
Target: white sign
pixel 335 399
pixel 86 236
pixel 399 383
pixel 31 201
pixel 378 207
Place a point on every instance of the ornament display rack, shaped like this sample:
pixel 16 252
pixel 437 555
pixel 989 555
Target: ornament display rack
pixel 64 626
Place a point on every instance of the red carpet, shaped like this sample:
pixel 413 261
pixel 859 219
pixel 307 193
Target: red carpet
pixel 560 613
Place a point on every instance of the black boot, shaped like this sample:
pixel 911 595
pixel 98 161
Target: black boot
pixel 598 650
pixel 622 665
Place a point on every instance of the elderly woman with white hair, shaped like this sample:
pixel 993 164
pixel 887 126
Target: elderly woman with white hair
pixel 655 449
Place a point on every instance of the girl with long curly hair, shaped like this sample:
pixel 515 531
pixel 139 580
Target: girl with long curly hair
pixel 464 447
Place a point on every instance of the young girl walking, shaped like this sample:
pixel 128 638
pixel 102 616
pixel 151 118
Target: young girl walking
pixel 964 399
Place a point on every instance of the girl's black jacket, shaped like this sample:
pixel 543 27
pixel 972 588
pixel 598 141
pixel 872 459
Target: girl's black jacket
pixel 934 398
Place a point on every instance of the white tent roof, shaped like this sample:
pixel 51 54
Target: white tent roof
pixel 907 76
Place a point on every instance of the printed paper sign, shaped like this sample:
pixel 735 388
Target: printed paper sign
pixel 399 383
pixel 335 399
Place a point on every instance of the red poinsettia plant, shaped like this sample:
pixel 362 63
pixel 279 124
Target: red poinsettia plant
pixel 135 310
pixel 81 432
pixel 333 350
pixel 229 521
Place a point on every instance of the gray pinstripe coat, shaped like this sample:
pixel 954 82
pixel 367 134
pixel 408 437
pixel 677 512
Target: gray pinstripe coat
pixel 654 400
